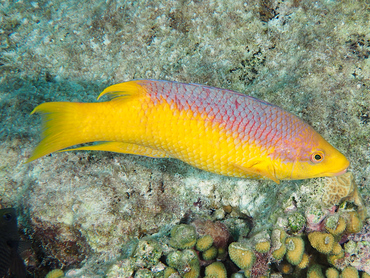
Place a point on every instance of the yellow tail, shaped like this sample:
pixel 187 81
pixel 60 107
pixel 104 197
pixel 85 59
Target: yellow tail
pixel 64 124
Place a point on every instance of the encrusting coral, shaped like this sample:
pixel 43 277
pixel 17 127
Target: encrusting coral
pixel 262 242
pixel 241 255
pixel 183 236
pixel 217 230
pixel 204 243
pixel 169 271
pixel 143 273
pixel 343 188
pixel 278 244
pixel 315 271
pixel 296 222
pixel 317 244
pixel 186 262
pixel 216 270
pixel 210 254
pixel 335 224
pixel 262 247
pixel 285 268
pixel 332 273
pixel 320 234
pixel 304 262
pixel 354 222
pixel 321 241
pixel 350 272
pixel 295 250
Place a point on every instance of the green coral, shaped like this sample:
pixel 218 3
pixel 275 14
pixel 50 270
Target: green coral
pixel 170 271
pixel 183 236
pixel 350 272
pixel 203 243
pixel 147 253
pixel 174 258
pixel 278 237
pixel 185 261
pixel 122 268
pixel 296 222
pixel 295 250
pixel 315 271
pixel 210 254
pixel 216 270
pixel 332 221
pixel 143 273
pixel 242 255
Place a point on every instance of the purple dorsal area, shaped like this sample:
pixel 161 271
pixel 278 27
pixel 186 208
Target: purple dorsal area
pixel 251 120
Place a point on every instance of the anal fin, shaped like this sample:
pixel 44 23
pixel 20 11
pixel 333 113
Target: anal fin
pixel 121 147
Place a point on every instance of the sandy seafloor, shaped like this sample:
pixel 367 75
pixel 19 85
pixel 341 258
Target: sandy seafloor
pixel 309 57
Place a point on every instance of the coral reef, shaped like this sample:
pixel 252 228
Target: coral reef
pixel 216 270
pixel 264 254
pixel 350 272
pixel 295 250
pixel 242 255
pixel 147 253
pixel 217 230
pixel 321 241
pixel 210 254
pixel 298 247
pixel 332 273
pixel 278 244
pixel 183 236
pixel 343 188
pixel 204 243
pixel 80 209
pixel 262 247
pixel 357 250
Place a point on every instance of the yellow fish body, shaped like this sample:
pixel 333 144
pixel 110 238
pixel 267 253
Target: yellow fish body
pixel 213 129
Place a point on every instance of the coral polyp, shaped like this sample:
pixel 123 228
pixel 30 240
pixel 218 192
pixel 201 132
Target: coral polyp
pixel 241 255
pixel 321 241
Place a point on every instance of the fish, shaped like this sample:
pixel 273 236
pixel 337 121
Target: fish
pixel 9 245
pixel 213 129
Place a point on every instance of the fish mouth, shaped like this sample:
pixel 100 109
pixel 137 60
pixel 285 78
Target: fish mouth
pixel 339 173
pixel 336 174
pixel 345 166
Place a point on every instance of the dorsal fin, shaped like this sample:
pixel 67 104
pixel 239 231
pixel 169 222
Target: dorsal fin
pixel 125 90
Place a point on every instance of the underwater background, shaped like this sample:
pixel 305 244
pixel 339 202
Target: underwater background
pixel 84 212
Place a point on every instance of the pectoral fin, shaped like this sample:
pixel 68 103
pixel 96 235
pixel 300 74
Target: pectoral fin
pixel 121 147
pixel 258 167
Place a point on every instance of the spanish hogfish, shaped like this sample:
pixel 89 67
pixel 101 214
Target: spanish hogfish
pixel 213 129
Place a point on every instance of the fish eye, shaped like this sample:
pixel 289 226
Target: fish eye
pixel 7 217
pixel 317 157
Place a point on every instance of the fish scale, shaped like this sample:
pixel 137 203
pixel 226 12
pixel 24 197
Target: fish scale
pixel 213 129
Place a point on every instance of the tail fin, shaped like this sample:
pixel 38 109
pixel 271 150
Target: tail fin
pixel 66 124
pixel 63 126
